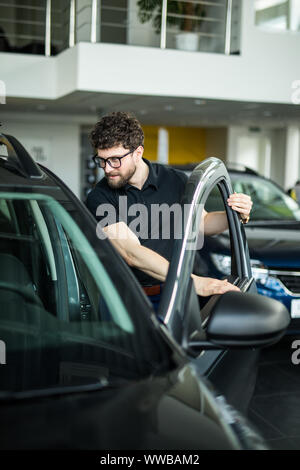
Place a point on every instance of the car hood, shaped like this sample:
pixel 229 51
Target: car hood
pixel 275 245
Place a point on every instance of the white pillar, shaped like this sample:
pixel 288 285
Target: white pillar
pixel 163 146
pixel 292 156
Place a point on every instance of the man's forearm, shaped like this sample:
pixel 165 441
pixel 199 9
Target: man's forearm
pixel 150 262
pixel 156 266
pixel 147 261
pixel 215 222
pixel 136 255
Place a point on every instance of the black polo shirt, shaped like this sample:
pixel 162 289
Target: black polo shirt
pixel 152 213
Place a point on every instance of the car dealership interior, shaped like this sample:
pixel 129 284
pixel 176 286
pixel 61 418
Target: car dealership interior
pixel 215 87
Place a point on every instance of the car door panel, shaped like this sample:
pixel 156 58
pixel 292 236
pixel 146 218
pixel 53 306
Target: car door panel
pixel 233 372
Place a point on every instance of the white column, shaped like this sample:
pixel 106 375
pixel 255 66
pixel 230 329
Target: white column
pixel 48 29
pixel 94 21
pixel 72 18
pixel 163 146
pixel 292 156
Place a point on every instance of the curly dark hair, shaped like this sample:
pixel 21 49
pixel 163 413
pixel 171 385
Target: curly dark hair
pixel 117 128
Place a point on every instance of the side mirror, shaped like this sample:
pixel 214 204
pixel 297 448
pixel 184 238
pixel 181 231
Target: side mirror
pixel 242 320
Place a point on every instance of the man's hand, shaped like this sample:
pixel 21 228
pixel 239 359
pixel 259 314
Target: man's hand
pixel 206 286
pixel 241 203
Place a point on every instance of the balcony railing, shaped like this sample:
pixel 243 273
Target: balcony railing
pixel 50 26
pixel 277 15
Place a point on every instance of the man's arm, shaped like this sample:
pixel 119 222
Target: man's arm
pixel 216 222
pixel 150 262
pixel 136 255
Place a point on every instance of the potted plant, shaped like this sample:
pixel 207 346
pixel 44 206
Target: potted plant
pixel 188 19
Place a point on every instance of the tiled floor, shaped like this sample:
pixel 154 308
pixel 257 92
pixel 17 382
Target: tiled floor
pixel 275 406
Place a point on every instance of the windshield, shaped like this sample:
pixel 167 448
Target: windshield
pixel 270 203
pixel 62 320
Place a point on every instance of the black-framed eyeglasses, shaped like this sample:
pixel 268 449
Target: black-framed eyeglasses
pixel 114 162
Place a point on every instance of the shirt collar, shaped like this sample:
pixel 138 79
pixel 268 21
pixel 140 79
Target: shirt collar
pixel 152 179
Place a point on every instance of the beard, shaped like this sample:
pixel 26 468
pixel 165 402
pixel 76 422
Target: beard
pixel 122 180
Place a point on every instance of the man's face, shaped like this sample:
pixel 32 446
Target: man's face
pixel 118 177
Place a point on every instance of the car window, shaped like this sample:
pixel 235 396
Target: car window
pixel 269 201
pixel 4 210
pixel 214 259
pixel 61 318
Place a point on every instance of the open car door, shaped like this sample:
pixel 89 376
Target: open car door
pixel 223 333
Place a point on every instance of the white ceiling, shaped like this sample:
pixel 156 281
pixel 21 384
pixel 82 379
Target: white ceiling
pixel 168 111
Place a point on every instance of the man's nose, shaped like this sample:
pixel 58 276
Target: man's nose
pixel 108 168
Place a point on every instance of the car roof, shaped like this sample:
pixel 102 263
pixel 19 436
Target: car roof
pixel 18 168
pixel 232 167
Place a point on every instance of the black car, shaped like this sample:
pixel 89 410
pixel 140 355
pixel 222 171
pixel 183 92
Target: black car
pixel 73 377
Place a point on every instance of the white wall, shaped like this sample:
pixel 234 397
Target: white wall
pixel 29 75
pixel 264 72
pixel 284 162
pixel 251 149
pixel 57 134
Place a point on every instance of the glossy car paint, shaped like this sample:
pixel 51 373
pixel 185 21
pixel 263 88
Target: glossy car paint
pixel 175 411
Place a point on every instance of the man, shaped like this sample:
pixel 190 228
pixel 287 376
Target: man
pixel 131 180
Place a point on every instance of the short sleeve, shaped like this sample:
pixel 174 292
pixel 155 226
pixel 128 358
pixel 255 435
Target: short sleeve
pixel 103 206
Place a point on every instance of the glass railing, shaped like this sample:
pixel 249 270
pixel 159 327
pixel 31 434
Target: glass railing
pixel 277 15
pixel 50 26
pixel 37 27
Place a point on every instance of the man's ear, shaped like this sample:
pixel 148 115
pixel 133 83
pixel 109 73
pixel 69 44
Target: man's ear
pixel 139 151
